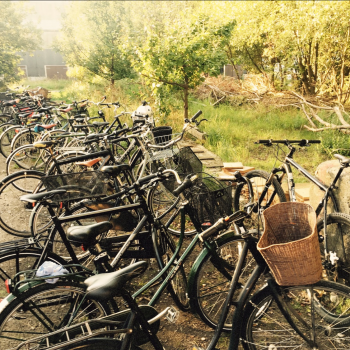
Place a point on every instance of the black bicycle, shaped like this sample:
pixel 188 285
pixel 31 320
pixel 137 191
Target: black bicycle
pixel 267 191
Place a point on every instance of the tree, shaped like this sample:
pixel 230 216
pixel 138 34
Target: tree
pixel 310 38
pixel 91 38
pixel 176 58
pixel 16 35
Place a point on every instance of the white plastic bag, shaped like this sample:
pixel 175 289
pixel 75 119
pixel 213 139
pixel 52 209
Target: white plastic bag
pixel 49 268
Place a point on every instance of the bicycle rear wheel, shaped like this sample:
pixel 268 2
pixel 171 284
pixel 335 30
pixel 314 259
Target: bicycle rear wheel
pixel 16 261
pixel 338 236
pixel 258 179
pixel 264 326
pixel 44 309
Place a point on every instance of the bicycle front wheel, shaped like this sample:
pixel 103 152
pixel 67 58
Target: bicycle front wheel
pixel 274 195
pixel 211 286
pixel 15 214
pixel 46 308
pixel 264 326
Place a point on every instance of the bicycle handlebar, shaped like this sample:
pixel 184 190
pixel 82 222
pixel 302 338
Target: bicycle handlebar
pixel 196 116
pixel 187 183
pixel 287 142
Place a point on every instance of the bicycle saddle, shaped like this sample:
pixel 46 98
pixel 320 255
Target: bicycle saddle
pixel 87 234
pixel 45 109
pixel 24 115
pixel 105 286
pixel 9 103
pixel 115 170
pixel 343 160
pixel 37 197
pixel 44 144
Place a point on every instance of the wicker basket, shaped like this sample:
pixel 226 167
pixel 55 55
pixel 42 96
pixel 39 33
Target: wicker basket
pixel 290 244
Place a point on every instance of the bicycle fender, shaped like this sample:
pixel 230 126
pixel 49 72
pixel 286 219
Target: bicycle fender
pixel 21 289
pixel 26 172
pixel 191 287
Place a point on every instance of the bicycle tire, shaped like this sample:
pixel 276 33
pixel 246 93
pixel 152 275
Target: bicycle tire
pixel 26 157
pixel 11 189
pixel 24 137
pixel 338 233
pixel 160 200
pixel 178 284
pixel 45 308
pixel 211 286
pixel 241 196
pixel 98 344
pixel 265 327
pixel 12 262
pixel 6 138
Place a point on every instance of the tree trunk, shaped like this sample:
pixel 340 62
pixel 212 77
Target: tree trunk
pixel 186 99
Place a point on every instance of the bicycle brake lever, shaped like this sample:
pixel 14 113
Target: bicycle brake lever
pixel 202 120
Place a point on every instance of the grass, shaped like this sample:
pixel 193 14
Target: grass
pixel 231 131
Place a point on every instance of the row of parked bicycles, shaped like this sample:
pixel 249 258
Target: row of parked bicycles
pixel 101 211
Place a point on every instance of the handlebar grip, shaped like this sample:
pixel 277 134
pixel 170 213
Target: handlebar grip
pixel 263 141
pixel 187 183
pixel 218 226
pixel 196 115
pixel 314 141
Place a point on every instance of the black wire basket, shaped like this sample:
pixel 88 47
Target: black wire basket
pixel 209 199
pixel 184 161
pixel 82 185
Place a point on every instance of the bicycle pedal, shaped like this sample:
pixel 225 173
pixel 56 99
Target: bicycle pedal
pixel 172 315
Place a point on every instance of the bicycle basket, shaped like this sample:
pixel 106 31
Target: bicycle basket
pixel 162 134
pixel 290 244
pixel 184 161
pixel 88 184
pixel 208 200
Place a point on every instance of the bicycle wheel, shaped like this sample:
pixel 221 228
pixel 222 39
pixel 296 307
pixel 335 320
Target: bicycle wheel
pixel 98 344
pixel 210 287
pixel 6 138
pixel 338 235
pixel 23 137
pixel 15 214
pixel 258 179
pixel 46 308
pixel 178 284
pixel 264 327
pixel 14 261
pixel 160 201
pixel 27 157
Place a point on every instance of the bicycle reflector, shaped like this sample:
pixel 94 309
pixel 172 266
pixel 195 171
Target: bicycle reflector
pixel 8 285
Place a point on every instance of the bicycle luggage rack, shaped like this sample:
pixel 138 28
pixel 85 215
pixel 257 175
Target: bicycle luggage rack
pixel 92 328
pixel 84 328
pixel 19 244
pixel 29 276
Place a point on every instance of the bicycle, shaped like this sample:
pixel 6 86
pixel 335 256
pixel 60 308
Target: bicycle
pixel 331 235
pixel 271 317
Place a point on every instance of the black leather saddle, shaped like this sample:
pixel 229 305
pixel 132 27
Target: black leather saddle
pixel 105 286
pixel 87 234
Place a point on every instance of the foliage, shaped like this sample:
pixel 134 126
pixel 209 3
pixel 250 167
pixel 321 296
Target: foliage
pixel 309 38
pixel 174 58
pixel 91 36
pixel 16 36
